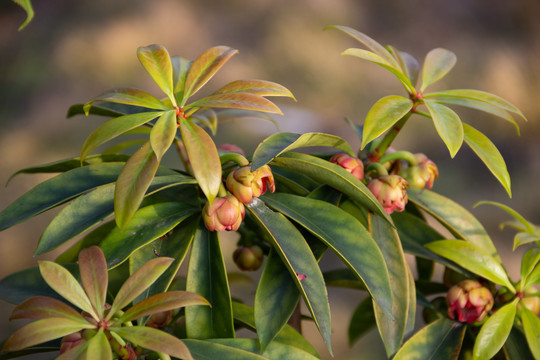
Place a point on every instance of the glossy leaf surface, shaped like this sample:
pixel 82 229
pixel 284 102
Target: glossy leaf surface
pixel 128 96
pixel 163 133
pixel 529 261
pixel 243 101
pixel 531 327
pixel 208 350
pixel 275 350
pixel 99 347
pixel 42 307
pixel 256 87
pixel 437 64
pixel 448 125
pixel 157 62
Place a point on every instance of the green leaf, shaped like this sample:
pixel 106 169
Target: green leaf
pixel 155 340
pixel 27 6
pixel 526 225
pixel 299 260
pixel 207 118
pixel 118 148
pixel 148 224
pixel 488 153
pixel 207 350
pixel 534 276
pixel 344 235
pixel 333 175
pixel 344 278
pixel 275 350
pixel 282 142
pixel 514 346
pixel 180 68
pixel 494 332
pixel 163 133
pixel 42 307
pixel 57 190
pixel 293 181
pixel 441 339
pixel 75 353
pixel 138 282
pixel 28 351
pixel 157 62
pixel 242 101
pixel 437 64
pixel 460 222
pixel 362 320
pixel 275 299
pixel 407 63
pixel 65 284
pixel 531 327
pixel 472 258
pixel 94 276
pixel 204 67
pixel 132 183
pixel 203 157
pixel 448 125
pixel 525 238
pixel 392 326
pixel 256 87
pixel 99 347
pixel 383 115
pixel 41 331
pixel 528 262
pixel 114 128
pixel 128 96
pixel 207 276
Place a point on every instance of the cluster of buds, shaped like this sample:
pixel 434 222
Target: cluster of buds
pixel 351 164
pixel 248 258
pixel 422 174
pixel 469 301
pixel 390 191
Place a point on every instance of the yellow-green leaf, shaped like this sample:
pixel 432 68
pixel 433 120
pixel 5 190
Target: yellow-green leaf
pixel 27 6
pixel 157 62
pixel 256 87
pixel 99 347
pixel 163 133
pixel 448 125
pixel 42 307
pixel 94 276
pixel 531 327
pixel 127 96
pixel 242 100
pixel 437 64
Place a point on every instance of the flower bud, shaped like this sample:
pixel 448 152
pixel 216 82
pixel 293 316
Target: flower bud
pixel 530 302
pixel 159 320
pixel 423 174
pixel 469 301
pixel 351 164
pixel 70 341
pixel 248 258
pixel 231 148
pixel 225 213
pixel 391 192
pixel 246 184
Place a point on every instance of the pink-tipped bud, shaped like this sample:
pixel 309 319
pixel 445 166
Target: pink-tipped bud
pixel 391 192
pixel 469 301
pixel 159 320
pixel 70 341
pixel 423 174
pixel 351 164
pixel 246 184
pixel 225 213
pixel 248 258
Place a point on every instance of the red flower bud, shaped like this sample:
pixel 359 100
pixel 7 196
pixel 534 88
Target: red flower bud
pixel 351 164
pixel 225 213
pixel 421 175
pixel 469 301
pixel 248 258
pixel 159 320
pixel 391 192
pixel 246 184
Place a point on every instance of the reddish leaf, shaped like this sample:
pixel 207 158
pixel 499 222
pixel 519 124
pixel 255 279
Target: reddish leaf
pixel 243 101
pixel 163 133
pixel 256 87
pixel 157 62
pixel 127 96
pixel 94 276
pixel 42 307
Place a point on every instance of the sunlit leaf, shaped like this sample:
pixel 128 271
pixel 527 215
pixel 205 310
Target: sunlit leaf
pixel 94 276
pixel 523 238
pixel 27 6
pixel 180 68
pixel 157 62
pixel 362 320
pixel 242 101
pixel 437 64
pixel 99 347
pixel 528 262
pixel 118 148
pixel 408 64
pixel 531 327
pixel 494 332
pixel 275 350
pixel 207 350
pixel 489 154
pixel 163 133
pixel 448 125
pixel 527 225
pixel 42 307
pixel 127 96
pixel 257 87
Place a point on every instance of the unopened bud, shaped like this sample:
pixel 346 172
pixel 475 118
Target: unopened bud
pixel 225 213
pixel 246 184
pixel 390 191
pixel 248 258
pixel 423 174
pixel 469 301
pixel 351 164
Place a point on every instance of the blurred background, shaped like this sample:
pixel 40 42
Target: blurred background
pixel 74 50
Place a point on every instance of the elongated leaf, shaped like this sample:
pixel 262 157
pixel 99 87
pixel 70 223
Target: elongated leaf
pixel 280 143
pixel 514 346
pixel 408 64
pixel 65 284
pixel 439 340
pixel 275 350
pixel 118 148
pixel 494 332
pixel 163 133
pixel 42 307
pixel 534 276
pixel 275 299
pixel 99 347
pixel 480 96
pixel 138 282
pixel 128 96
pixel 526 225
pixel 472 258
pixel 531 327
pixel 392 326
pixel 155 340
pixel 207 350
pixel 411 311
pixel 256 87
pixel 75 353
pixel 448 125
pixel 488 153
pixel 27 6
pixel 297 257
pixel 180 68
pixel 528 262
pixel 458 220
pixel 203 157
pixel 114 128
pixel 383 115
pixel 345 236
pixel 94 276
pixel 28 351
pixel 157 62
pixel 204 67
pixel 207 277
pixel 132 183
pixel 58 190
pixel 437 64
pixel 41 331
pixel 148 224
pixel 362 320
pixel 525 238
pixel 334 175
pixel 242 101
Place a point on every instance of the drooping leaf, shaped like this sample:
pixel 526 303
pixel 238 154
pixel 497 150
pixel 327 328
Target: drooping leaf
pixel 531 327
pixel 344 235
pixel 299 260
pixel 494 332
pixel 528 262
pixel 163 133
pixel 383 115
pixel 489 154
pixel 441 339
pixel 207 277
pixel 156 61
pixel 523 238
pixel 99 347
pixel 155 340
pixel 257 87
pixel 242 101
pixel 203 157
pixel 27 6
pixel 437 64
pixel 128 96
pixel 42 307
pixel 472 258
pixel 526 225
pixel 204 67
pixel 362 320
pixel 448 125
pixel 282 142
pixel 207 350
